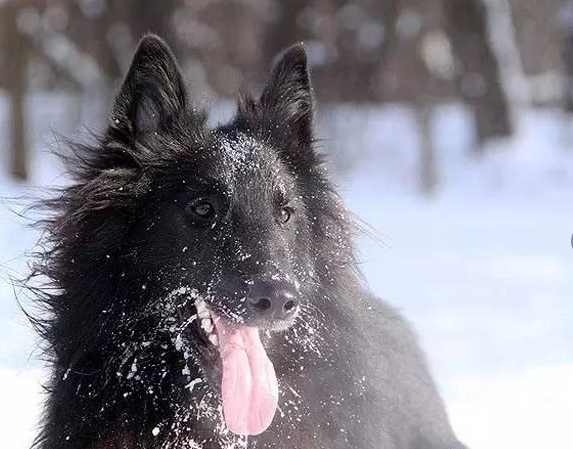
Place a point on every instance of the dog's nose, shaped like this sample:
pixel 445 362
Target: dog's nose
pixel 273 299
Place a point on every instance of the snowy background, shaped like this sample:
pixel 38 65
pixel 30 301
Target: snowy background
pixel 449 126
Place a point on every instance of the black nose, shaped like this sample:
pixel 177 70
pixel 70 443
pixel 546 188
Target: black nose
pixel 273 299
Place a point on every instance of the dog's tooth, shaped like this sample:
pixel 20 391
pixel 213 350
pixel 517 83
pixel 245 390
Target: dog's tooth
pixel 203 313
pixel 214 339
pixel 207 325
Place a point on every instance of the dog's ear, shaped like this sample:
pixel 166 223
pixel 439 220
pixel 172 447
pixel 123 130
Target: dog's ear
pixel 285 110
pixel 288 94
pixel 153 93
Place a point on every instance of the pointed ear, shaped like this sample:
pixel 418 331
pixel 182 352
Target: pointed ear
pixel 285 110
pixel 153 93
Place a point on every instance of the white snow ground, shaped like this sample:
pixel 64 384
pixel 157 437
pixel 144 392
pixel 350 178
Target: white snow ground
pixel 484 271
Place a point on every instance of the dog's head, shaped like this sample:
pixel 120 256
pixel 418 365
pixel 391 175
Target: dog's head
pixel 226 233
pixel 224 210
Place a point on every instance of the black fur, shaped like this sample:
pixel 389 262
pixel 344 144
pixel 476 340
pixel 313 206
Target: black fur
pixel 125 261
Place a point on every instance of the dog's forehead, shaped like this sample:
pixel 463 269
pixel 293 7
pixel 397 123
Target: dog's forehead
pixel 241 159
pixel 240 152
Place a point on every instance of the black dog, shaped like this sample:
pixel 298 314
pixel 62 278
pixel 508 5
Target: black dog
pixel 203 289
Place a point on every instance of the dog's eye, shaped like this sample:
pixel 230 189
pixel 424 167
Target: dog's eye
pixel 286 213
pixel 202 209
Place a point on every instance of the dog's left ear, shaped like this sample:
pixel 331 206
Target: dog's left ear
pixel 285 111
pixel 153 93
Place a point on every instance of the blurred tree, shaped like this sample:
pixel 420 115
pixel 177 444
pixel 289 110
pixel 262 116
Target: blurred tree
pixel 226 40
pixel 478 72
pixel 366 52
pixel 421 53
pixel 539 30
pixel 15 54
pixel 418 69
pixel 566 26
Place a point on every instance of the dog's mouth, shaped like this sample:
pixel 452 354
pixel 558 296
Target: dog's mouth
pixel 249 386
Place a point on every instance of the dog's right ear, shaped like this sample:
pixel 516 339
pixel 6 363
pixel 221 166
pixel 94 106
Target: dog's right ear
pixel 153 93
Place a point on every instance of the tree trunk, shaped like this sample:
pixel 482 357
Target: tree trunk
pixel 18 120
pixel 568 57
pixel 15 74
pixel 567 37
pixel 427 167
pixel 479 74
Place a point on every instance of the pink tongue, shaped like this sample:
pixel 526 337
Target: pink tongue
pixel 249 385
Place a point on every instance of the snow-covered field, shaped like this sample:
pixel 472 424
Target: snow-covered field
pixel 484 270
